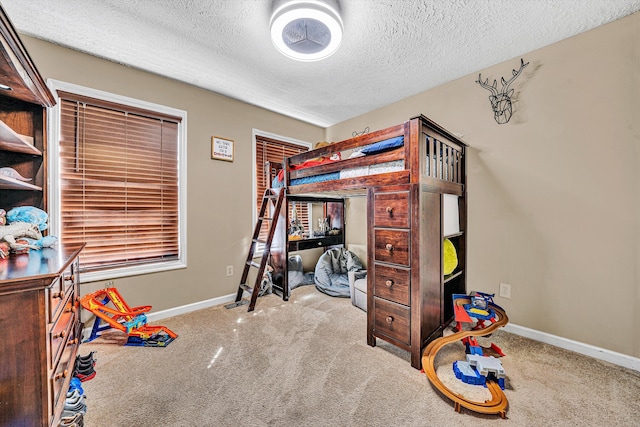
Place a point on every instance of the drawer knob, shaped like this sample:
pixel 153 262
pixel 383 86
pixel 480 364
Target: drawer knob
pixel 58 295
pixel 73 341
pixel 389 320
pixel 71 309
pixel 62 374
pixel 390 210
pixel 69 278
pixel 319 243
pixel 389 247
pixel 389 283
pixel 62 334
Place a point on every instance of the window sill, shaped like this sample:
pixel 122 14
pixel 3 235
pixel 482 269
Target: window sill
pixel 115 273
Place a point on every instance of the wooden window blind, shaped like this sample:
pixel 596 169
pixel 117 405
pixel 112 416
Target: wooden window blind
pixel 271 150
pixel 118 183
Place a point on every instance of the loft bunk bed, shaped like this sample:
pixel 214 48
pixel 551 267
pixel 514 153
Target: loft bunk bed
pixel 413 175
pixel 417 151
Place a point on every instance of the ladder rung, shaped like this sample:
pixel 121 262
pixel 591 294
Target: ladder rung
pixel 268 218
pixel 253 264
pixel 246 287
pixel 259 241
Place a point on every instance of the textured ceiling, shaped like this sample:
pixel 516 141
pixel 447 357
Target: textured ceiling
pixel 391 49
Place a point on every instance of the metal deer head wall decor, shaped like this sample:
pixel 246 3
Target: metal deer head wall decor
pixel 501 100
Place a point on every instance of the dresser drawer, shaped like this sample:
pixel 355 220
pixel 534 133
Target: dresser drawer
pixel 392 246
pixel 392 320
pixel 392 284
pixel 61 329
pixel 55 298
pixel 60 289
pixel 391 210
pixel 63 370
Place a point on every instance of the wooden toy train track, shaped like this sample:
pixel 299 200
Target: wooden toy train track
pixel 498 402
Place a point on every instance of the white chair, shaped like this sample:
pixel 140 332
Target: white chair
pixel 358 288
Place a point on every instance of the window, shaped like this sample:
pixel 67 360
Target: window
pixel 118 181
pixel 273 148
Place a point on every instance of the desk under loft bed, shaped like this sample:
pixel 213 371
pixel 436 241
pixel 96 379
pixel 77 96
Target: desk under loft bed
pixel 413 176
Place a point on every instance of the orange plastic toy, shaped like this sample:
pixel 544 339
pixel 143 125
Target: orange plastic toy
pixel 131 321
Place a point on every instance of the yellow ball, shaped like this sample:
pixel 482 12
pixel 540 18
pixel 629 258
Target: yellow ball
pixel 450 257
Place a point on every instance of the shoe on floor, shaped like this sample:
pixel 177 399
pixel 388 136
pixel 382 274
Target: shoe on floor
pixel 69 419
pixel 88 358
pixel 76 384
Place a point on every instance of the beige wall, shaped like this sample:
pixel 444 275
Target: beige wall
pixel 553 194
pixel 219 193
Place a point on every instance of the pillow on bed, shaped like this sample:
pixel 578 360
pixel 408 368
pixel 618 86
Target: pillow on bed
pixel 387 144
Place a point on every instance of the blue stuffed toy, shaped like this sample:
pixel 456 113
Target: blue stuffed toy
pixel 29 214
pixel 45 242
pixel 37 217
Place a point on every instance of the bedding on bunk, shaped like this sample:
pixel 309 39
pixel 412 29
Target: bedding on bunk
pixel 377 147
pixel 384 145
pixel 386 167
pixel 278 180
pixel 316 178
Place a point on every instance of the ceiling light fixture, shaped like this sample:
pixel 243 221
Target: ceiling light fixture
pixel 306 30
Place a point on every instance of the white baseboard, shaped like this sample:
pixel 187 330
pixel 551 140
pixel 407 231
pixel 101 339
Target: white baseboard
pixel 183 309
pixel 579 347
pixel 582 348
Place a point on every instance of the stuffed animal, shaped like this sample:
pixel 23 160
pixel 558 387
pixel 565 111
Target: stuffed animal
pixel 334 157
pixel 266 284
pixel 23 231
pixel 45 242
pixel 10 233
pixel 29 214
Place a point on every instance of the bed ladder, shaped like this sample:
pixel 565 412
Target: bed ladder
pixel 270 196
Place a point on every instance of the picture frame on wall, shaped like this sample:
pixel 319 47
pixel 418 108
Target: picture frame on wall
pixel 222 148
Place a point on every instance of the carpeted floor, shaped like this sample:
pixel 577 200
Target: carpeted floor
pixel 306 362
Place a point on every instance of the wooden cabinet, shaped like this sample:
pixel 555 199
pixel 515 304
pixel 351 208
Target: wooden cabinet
pixel 23 101
pixel 389 279
pixel 316 242
pixel 39 317
pixel 41 331
pixel 409 297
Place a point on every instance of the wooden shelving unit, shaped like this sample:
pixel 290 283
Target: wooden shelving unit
pixel 39 291
pixel 24 97
pixel 8 183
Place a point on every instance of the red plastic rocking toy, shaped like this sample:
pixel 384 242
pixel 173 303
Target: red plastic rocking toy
pixel 131 321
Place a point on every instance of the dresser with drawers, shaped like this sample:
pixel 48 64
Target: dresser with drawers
pixel 41 332
pixel 408 295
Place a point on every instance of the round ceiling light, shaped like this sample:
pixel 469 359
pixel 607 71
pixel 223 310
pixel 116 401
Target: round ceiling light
pixel 306 30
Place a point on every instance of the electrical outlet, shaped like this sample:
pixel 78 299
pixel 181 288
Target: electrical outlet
pixel 505 290
pixel 229 270
pixel 108 284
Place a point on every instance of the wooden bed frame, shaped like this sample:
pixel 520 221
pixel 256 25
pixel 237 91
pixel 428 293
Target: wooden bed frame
pixel 409 298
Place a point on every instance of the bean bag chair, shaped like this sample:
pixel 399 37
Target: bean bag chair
pixel 297 277
pixel 331 274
